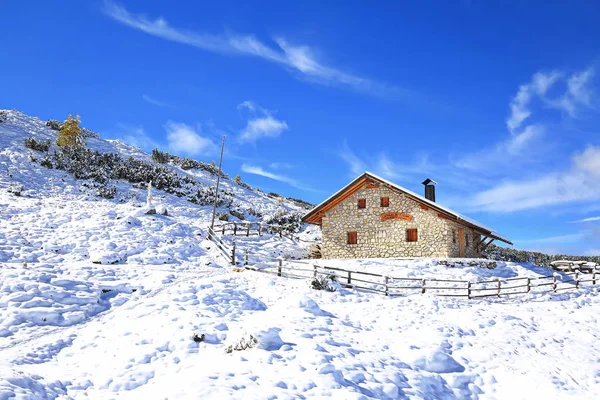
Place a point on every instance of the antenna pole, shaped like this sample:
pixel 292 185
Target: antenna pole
pixel 212 223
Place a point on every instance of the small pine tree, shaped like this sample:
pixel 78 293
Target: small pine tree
pixel 70 133
pixel 237 179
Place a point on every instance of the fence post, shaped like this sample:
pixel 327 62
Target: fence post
pixel 499 287
pixel 223 230
pixel 209 233
pixel 233 254
pixel 387 290
pixel 280 234
pixel 594 276
pixel 528 285
pixel 468 289
pixel 279 267
pixel 248 231
pixel 554 284
pixel 423 286
pixel 315 268
pixel 577 279
pixel 235 229
pixel 246 257
pixel 349 278
pixel 259 230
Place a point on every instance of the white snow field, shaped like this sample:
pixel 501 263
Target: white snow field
pixel 99 300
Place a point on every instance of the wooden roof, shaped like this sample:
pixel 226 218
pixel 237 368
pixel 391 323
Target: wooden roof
pixel 316 215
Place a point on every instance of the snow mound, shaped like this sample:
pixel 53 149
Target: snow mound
pixel 439 362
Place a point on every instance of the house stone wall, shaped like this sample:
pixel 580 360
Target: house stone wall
pixel 437 237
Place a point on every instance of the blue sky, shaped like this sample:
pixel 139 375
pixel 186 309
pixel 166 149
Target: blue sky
pixel 496 100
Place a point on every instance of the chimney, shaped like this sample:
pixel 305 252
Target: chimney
pixel 430 189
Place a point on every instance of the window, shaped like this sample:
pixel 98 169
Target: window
pixel 385 202
pixel 411 235
pixel 362 203
pixel 352 239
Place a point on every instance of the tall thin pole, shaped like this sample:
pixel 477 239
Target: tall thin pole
pixel 212 224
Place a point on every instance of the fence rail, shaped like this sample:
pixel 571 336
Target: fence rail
pixel 255 229
pixel 400 286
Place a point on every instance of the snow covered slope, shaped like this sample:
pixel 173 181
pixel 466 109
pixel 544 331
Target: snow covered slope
pixel 100 300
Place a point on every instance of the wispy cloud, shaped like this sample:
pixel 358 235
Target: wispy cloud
pixel 280 165
pixel 299 58
pixel 590 219
pixel 184 139
pixel 261 125
pixel 155 102
pixel 136 136
pixel 571 238
pixel 257 170
pixel 579 183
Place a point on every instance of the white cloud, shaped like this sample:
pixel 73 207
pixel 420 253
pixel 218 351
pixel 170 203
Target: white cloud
pixel 155 102
pixel 579 183
pixel 301 59
pixel 540 83
pixel 256 170
pixel 571 238
pixel 264 127
pixel 183 139
pixel 578 92
pixel 590 219
pixel 137 136
pixel 356 165
pixel 262 124
pixel 280 165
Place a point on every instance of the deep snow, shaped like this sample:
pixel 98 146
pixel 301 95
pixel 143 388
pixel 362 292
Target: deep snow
pixel 72 328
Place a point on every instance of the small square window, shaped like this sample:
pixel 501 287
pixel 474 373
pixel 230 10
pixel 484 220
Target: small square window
pixel 412 235
pixel 352 238
pixel 362 203
pixel 385 202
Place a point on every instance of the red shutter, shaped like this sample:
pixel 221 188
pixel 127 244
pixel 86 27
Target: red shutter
pixel 352 238
pixel 411 235
pixel 362 203
pixel 385 202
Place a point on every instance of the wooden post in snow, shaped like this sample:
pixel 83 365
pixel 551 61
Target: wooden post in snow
pixel 233 254
pixel 528 285
pixel 235 229
pixel 577 279
pixel 349 278
pixel 468 289
pixel 279 267
pixel 423 286
pixel 499 287
pixel 554 283
pixel 315 268
pixel 387 290
pixel 246 257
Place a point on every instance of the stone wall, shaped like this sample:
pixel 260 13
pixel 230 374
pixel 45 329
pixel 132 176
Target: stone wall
pixel 437 237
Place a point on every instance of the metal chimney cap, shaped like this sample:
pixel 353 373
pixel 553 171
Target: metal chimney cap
pixel 428 181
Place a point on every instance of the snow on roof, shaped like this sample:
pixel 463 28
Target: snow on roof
pixel 457 215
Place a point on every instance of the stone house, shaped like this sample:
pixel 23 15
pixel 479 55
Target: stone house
pixel 372 217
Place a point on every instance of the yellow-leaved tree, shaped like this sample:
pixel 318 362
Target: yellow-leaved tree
pixel 70 133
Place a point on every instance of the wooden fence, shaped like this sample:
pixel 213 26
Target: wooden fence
pixel 402 286
pixel 255 229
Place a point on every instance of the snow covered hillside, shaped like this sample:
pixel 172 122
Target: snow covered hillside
pixel 100 300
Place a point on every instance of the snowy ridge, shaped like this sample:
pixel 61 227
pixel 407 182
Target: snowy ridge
pixel 100 300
